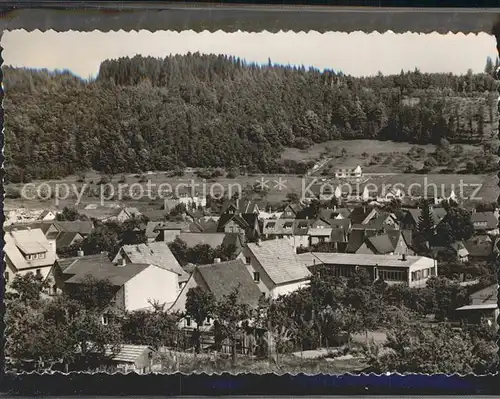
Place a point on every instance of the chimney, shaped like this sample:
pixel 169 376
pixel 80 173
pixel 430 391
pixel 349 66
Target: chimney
pixel 80 253
pixel 217 260
pixel 403 258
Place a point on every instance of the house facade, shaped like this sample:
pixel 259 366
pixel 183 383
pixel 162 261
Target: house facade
pixel 275 267
pixel 27 251
pixel 348 172
pixel 392 269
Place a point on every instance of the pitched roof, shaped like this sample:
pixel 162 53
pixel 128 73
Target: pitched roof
pixel 381 244
pixel 69 265
pixel 356 238
pixel 84 227
pixel 301 226
pixel 487 218
pixel 279 261
pixel 151 231
pixel 338 235
pixel 154 253
pixel 227 217
pixel 127 353
pixel 479 246
pixel 222 278
pixel 460 248
pixel 65 239
pixel 30 242
pixel 212 239
pixel 486 295
pixel 340 223
pixel 44 226
pixel 358 214
pixel 116 275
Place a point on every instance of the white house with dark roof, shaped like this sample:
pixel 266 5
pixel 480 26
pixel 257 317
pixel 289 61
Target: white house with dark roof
pixel 28 251
pixel 220 279
pixel 275 267
pixel 154 253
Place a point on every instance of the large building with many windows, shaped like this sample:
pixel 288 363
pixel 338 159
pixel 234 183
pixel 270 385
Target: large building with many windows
pixel 393 269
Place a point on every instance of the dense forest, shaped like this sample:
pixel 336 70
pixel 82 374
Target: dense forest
pixel 144 113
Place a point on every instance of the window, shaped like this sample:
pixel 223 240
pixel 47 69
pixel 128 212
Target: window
pixel 6 276
pixel 104 320
pixel 247 260
pixel 38 272
pixel 54 289
pixel 256 277
pixel 188 321
pixel 207 321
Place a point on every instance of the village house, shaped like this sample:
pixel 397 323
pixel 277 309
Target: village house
pixel 291 211
pixel 189 196
pixel 348 172
pixel 166 231
pixel 394 242
pixel 47 216
pixel 284 229
pixel 109 214
pixel 27 251
pixel 275 267
pixel 155 253
pixel 392 269
pixel 127 279
pixel 381 219
pixel 140 359
pixel 485 223
pixel 483 305
pixel 457 250
pixel 220 279
pixel 480 248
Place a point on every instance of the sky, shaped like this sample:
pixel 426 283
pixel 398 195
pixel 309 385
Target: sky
pixel 357 53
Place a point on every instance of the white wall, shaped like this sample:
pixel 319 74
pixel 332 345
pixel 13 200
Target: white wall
pixel 288 288
pixel 265 284
pixel 421 264
pixel 153 283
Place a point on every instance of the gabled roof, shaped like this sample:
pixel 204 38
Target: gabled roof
pixel 172 225
pixel 212 239
pixel 380 244
pixel 151 231
pixel 127 353
pixel 227 217
pixel 486 295
pixel 459 248
pixel 154 253
pixel 340 223
pixel 487 218
pixel 116 275
pixel 69 265
pixel 44 226
pixel 28 242
pixel 222 278
pixel 84 227
pixel 358 214
pixel 44 213
pixel 279 261
pixel 301 226
pixel 355 241
pixel 479 246
pixel 65 239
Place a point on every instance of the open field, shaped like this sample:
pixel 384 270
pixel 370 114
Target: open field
pixel 376 156
pixel 483 187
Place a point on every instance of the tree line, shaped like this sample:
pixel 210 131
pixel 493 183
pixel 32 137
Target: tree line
pixel 210 111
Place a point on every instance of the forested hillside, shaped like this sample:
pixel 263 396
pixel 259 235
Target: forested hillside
pixel 205 111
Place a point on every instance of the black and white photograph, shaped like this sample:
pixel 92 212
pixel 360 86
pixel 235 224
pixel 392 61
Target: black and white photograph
pixel 250 202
